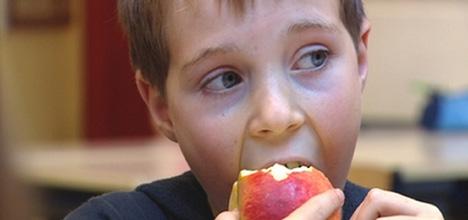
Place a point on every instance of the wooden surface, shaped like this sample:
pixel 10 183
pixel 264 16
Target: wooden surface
pixel 416 155
pixel 102 167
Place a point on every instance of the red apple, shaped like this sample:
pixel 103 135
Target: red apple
pixel 275 192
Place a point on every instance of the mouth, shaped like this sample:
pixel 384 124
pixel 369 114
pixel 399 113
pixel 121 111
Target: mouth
pixel 295 164
pixel 280 171
pixel 291 163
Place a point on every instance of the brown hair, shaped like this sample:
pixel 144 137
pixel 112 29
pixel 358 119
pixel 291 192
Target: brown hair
pixel 144 21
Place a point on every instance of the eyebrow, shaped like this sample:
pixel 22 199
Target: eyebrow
pixel 296 27
pixel 208 52
pixel 304 25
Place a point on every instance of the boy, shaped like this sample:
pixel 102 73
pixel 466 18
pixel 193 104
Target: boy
pixel 245 84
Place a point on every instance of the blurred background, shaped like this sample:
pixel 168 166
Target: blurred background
pixel 74 125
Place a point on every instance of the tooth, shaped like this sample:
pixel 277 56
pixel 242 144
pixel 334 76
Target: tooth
pixel 292 165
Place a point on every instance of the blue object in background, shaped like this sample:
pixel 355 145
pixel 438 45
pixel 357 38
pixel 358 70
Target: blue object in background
pixel 446 111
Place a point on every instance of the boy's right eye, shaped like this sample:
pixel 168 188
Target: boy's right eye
pixel 222 81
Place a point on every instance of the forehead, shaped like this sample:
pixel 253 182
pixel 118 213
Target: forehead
pixel 209 22
pixel 240 9
pixel 215 15
pixel 239 6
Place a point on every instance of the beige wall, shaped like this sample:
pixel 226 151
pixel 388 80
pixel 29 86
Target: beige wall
pixel 41 80
pixel 414 41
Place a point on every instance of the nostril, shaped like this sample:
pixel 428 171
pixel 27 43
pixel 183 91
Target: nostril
pixel 275 123
pixel 293 127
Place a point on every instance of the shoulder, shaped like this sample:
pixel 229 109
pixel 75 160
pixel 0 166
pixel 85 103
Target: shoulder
pixel 179 197
pixel 118 205
pixel 354 195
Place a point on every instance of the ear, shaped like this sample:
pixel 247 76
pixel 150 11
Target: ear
pixel 362 51
pixel 157 106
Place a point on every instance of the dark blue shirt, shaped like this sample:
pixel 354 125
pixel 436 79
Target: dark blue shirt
pixel 176 198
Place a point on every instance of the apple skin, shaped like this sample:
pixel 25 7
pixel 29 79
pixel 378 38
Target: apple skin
pixel 261 197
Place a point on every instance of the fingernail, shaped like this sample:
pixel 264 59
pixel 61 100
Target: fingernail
pixel 340 195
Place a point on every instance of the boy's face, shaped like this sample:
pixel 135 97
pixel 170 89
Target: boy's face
pixel 279 82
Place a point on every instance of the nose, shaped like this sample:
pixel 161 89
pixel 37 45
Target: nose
pixel 275 112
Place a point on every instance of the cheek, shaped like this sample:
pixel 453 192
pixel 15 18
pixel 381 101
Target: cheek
pixel 209 142
pixel 340 139
pixel 337 118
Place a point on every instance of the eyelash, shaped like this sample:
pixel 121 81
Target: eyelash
pixel 313 49
pixel 214 74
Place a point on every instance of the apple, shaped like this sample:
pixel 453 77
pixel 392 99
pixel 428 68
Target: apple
pixel 273 193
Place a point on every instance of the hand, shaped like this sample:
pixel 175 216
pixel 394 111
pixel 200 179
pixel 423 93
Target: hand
pixel 319 207
pixel 228 215
pixel 385 205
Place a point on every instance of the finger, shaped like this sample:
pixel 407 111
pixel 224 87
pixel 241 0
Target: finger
pixel 380 203
pixel 319 207
pixel 231 215
pixel 399 217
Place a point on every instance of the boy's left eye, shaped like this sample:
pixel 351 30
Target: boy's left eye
pixel 223 81
pixel 312 60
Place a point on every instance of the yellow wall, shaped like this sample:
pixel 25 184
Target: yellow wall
pixel 41 80
pixel 414 41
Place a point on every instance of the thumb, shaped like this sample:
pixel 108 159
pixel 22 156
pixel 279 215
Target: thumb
pixel 321 206
pixel 228 215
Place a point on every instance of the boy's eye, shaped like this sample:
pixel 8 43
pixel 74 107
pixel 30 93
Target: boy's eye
pixel 313 60
pixel 223 81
